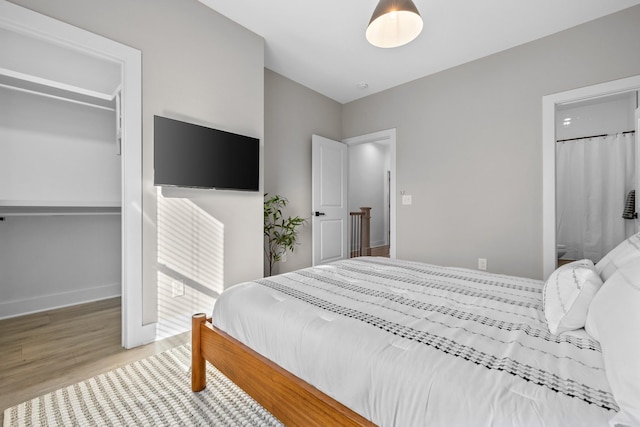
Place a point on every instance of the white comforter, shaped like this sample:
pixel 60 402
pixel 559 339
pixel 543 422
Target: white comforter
pixel 410 344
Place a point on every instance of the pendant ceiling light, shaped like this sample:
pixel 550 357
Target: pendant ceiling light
pixel 394 23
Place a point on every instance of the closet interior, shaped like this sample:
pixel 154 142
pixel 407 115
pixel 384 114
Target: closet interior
pixel 60 175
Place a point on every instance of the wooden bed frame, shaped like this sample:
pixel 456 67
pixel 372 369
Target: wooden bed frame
pixel 290 399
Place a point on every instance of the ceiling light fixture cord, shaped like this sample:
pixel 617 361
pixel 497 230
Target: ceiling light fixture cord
pixel 394 23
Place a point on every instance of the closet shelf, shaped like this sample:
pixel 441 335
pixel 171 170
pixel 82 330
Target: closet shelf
pixel 49 208
pixel 52 89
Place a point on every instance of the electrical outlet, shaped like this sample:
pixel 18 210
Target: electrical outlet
pixel 283 258
pixel 406 199
pixel 482 263
pixel 177 288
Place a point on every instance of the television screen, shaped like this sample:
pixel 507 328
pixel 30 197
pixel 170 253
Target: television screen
pixel 189 155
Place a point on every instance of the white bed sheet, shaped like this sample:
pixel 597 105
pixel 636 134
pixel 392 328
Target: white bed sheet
pixel 411 344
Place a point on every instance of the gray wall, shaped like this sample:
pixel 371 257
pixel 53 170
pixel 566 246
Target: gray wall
pixel 469 143
pixel 196 66
pixel 53 261
pixel 292 114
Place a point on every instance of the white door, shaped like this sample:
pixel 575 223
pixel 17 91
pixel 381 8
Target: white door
pixel 330 211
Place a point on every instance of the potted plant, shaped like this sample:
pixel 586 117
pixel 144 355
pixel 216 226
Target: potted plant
pixel 280 233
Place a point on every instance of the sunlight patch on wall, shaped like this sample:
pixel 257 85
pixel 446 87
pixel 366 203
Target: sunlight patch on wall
pixel 190 263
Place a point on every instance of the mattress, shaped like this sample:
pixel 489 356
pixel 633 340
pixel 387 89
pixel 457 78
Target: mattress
pixel 411 344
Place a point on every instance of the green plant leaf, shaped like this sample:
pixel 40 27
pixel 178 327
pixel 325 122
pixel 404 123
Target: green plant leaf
pixel 280 233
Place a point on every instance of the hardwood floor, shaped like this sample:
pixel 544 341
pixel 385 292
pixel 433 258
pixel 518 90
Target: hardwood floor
pixel 380 251
pixel 42 352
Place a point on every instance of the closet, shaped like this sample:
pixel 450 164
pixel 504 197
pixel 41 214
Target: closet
pixel 60 174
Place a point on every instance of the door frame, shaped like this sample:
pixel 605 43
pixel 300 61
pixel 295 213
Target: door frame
pixel 18 19
pixel 387 136
pixel 549 103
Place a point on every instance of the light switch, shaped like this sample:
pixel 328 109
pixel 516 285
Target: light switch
pixel 406 199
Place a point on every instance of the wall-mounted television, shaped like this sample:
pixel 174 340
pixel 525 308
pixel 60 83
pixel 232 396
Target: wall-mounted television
pixel 190 155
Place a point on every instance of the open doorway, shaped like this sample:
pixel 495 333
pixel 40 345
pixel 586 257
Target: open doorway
pixel 23 65
pixel 595 175
pixel 564 101
pixel 372 183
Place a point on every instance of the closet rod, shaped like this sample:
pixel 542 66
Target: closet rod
pixel 61 98
pixel 595 136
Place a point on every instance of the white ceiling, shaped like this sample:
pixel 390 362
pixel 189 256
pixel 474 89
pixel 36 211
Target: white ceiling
pixel 321 43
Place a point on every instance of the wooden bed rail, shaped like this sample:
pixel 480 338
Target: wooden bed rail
pixel 287 397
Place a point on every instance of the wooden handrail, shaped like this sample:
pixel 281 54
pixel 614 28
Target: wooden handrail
pixel 360 244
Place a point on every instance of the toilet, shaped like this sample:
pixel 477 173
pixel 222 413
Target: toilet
pixel 561 250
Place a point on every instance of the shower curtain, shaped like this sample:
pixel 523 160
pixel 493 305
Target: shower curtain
pixel 593 177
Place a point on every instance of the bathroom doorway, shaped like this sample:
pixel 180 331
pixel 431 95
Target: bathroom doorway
pixel 553 107
pixel 595 175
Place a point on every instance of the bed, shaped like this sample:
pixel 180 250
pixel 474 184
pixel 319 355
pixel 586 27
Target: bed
pixel 377 341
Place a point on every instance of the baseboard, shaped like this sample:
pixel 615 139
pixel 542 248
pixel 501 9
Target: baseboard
pixel 52 301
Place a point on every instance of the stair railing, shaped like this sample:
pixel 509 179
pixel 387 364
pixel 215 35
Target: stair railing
pixel 360 233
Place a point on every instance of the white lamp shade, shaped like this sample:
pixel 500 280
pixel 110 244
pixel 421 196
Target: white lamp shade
pixel 394 23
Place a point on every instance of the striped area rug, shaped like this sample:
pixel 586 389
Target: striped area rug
pixel 151 392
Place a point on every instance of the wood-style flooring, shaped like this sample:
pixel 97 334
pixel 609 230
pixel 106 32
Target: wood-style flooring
pixel 380 251
pixel 42 352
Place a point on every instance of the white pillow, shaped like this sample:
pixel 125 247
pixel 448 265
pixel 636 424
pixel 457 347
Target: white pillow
pixel 614 320
pixel 627 250
pixel 567 294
